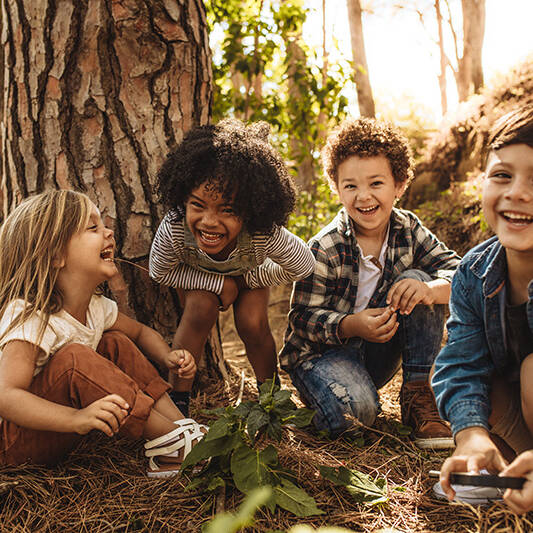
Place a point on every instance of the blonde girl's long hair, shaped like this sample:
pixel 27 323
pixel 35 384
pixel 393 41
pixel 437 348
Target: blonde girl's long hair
pixel 33 239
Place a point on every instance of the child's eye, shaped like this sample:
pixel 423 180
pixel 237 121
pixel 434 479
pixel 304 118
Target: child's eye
pixel 228 210
pixel 194 203
pixel 92 227
pixel 501 175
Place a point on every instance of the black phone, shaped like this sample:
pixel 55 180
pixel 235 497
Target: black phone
pixel 483 480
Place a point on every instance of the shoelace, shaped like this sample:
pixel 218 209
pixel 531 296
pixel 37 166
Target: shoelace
pixel 424 408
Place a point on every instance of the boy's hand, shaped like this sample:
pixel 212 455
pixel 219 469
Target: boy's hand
pixel 105 414
pixel 520 501
pixel 475 451
pixel 376 325
pixel 182 363
pixel 229 293
pixel 405 294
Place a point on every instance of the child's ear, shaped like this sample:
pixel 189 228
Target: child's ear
pixel 400 189
pixel 58 262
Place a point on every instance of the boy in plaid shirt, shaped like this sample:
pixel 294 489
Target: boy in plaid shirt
pixel 377 296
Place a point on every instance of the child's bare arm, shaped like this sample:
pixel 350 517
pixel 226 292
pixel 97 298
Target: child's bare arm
pixel 152 344
pixel 405 294
pixel 28 410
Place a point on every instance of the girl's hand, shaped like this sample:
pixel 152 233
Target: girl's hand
pixel 405 294
pixel 475 451
pixel 182 363
pixel 105 414
pixel 376 325
pixel 520 501
pixel 229 293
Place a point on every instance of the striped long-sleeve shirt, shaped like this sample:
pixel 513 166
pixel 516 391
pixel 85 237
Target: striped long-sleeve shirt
pixel 322 300
pixel 280 258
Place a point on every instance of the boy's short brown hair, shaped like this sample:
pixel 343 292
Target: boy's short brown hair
pixel 515 127
pixel 366 137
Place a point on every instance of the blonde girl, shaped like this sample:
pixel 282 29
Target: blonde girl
pixel 70 363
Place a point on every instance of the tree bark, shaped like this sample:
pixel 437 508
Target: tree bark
pixel 473 34
pixel 443 62
pixel 96 94
pixel 362 80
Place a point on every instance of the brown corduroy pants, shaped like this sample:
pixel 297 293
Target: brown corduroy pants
pixel 76 376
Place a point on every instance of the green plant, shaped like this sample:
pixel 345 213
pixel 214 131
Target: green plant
pixel 361 487
pixel 230 446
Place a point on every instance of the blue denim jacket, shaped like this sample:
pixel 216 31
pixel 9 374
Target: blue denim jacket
pixel 476 346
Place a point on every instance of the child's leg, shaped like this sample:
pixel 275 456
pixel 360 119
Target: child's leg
pixel 75 376
pixel 526 391
pixel 125 354
pixel 337 386
pixel 251 320
pixel 418 339
pixel 506 418
pixel 200 313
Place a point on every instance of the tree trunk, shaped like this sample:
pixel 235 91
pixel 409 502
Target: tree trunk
pixel 473 34
pixel 96 94
pixel 362 80
pixel 301 149
pixel 443 63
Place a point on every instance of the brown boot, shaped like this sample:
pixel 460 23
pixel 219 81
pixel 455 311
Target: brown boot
pixel 419 411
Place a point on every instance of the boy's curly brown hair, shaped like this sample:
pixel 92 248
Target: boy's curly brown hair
pixel 231 158
pixel 366 137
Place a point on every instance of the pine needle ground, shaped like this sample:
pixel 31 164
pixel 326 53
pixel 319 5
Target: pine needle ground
pixel 102 486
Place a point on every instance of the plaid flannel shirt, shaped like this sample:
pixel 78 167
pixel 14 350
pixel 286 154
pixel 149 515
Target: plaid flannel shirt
pixel 320 301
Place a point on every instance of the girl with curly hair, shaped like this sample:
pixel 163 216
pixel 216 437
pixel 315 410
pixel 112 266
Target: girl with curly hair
pixel 223 241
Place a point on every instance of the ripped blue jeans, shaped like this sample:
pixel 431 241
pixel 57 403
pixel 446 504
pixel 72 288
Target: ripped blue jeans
pixel 345 379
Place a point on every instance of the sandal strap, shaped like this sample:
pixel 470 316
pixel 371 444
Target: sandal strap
pixel 171 435
pixel 183 437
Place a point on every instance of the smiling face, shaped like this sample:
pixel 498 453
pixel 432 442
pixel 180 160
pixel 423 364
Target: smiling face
pixel 213 221
pixel 89 256
pixel 367 190
pixel 508 197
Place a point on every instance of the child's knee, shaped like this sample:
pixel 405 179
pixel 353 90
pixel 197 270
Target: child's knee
pixel 252 327
pixel 526 394
pixel 201 308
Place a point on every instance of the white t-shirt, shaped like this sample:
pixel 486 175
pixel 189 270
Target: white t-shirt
pixel 370 269
pixel 62 328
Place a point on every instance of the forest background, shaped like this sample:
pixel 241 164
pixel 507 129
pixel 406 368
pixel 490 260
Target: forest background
pixel 93 99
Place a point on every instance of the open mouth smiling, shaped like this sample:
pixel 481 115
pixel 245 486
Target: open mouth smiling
pixel 517 218
pixel 209 237
pixel 107 254
pixel 367 210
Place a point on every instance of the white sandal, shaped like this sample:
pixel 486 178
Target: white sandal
pixel 177 443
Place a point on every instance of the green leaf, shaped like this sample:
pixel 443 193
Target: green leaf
pixel 274 429
pixel 243 409
pixel 231 523
pixel 360 486
pixel 251 468
pixel 300 418
pixel 294 499
pixel 215 483
pixel 256 420
pixel 281 396
pixel 211 448
pixel 219 428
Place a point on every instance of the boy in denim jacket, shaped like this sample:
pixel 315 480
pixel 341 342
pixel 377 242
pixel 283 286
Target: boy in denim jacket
pixel 376 297
pixel 481 374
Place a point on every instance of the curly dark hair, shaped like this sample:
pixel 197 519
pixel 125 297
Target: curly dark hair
pixel 233 159
pixel 366 137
